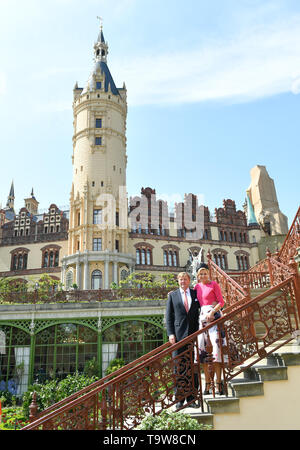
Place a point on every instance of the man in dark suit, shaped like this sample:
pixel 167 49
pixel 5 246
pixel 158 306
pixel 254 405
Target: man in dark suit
pixel 182 319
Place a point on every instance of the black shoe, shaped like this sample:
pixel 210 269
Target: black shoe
pixel 193 405
pixel 220 389
pixel 207 389
pixel 179 405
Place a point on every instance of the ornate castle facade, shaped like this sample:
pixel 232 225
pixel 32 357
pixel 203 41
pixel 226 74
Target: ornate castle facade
pixel 103 236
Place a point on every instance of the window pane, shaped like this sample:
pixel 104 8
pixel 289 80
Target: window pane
pixel 165 258
pixel 175 258
pixel 97 279
pixel 148 257
pixel 97 216
pixel 138 256
pixel 97 244
pixel 143 257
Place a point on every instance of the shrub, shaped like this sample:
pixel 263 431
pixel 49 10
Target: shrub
pixel 7 398
pixel 167 420
pixel 114 364
pixel 53 391
pixel 91 368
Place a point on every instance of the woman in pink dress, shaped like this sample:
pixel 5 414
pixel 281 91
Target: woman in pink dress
pixel 211 301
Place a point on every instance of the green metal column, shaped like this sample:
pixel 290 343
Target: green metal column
pixel 99 353
pixel 31 359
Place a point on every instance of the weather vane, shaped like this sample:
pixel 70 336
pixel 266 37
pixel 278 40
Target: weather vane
pixel 101 21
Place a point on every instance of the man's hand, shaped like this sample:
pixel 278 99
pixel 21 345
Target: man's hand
pixel 172 339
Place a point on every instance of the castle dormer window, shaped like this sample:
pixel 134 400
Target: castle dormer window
pixel 98 85
pixel 98 123
pixel 98 140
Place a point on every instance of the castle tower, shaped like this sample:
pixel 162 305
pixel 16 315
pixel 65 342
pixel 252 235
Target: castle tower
pixel 98 230
pixel 31 204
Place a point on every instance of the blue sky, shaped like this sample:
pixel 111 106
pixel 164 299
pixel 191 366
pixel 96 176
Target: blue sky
pixel 213 90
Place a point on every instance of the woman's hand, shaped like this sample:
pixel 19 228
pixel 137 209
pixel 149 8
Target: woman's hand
pixel 211 316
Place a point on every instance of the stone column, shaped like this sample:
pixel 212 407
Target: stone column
pixel 106 274
pixel 86 275
pixel 63 273
pixel 78 277
pixel 115 272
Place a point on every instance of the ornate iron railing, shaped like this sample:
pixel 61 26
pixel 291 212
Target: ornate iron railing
pixel 253 280
pixel 79 296
pixel 251 328
pixel 273 264
pixel 231 290
pixel 292 241
pixel 148 386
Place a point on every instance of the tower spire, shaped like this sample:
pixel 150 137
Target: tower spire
pixel 100 47
pixel 11 197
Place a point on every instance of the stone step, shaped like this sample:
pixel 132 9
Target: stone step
pixel 288 358
pixel 223 405
pixel 266 373
pixel 272 368
pixel 204 418
pixel 244 388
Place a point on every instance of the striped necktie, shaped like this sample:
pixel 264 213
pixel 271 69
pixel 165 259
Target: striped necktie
pixel 186 303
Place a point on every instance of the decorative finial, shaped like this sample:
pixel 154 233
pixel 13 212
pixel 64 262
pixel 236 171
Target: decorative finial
pixel 101 22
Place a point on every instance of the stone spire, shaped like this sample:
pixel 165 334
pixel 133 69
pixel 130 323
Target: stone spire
pixel 31 203
pixel 11 197
pixel 100 47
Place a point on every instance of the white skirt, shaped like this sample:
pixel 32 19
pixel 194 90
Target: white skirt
pixel 213 334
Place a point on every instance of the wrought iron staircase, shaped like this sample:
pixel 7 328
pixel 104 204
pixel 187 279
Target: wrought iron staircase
pixel 255 326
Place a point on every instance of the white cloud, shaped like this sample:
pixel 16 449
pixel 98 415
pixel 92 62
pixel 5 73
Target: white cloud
pixel 260 62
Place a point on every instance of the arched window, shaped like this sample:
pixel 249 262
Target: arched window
pixel 171 253
pixel 144 254
pixel 19 258
pixel 220 258
pixel 97 279
pixel 50 255
pixel 242 260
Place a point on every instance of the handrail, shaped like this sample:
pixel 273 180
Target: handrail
pixel 294 229
pixel 103 380
pixel 231 290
